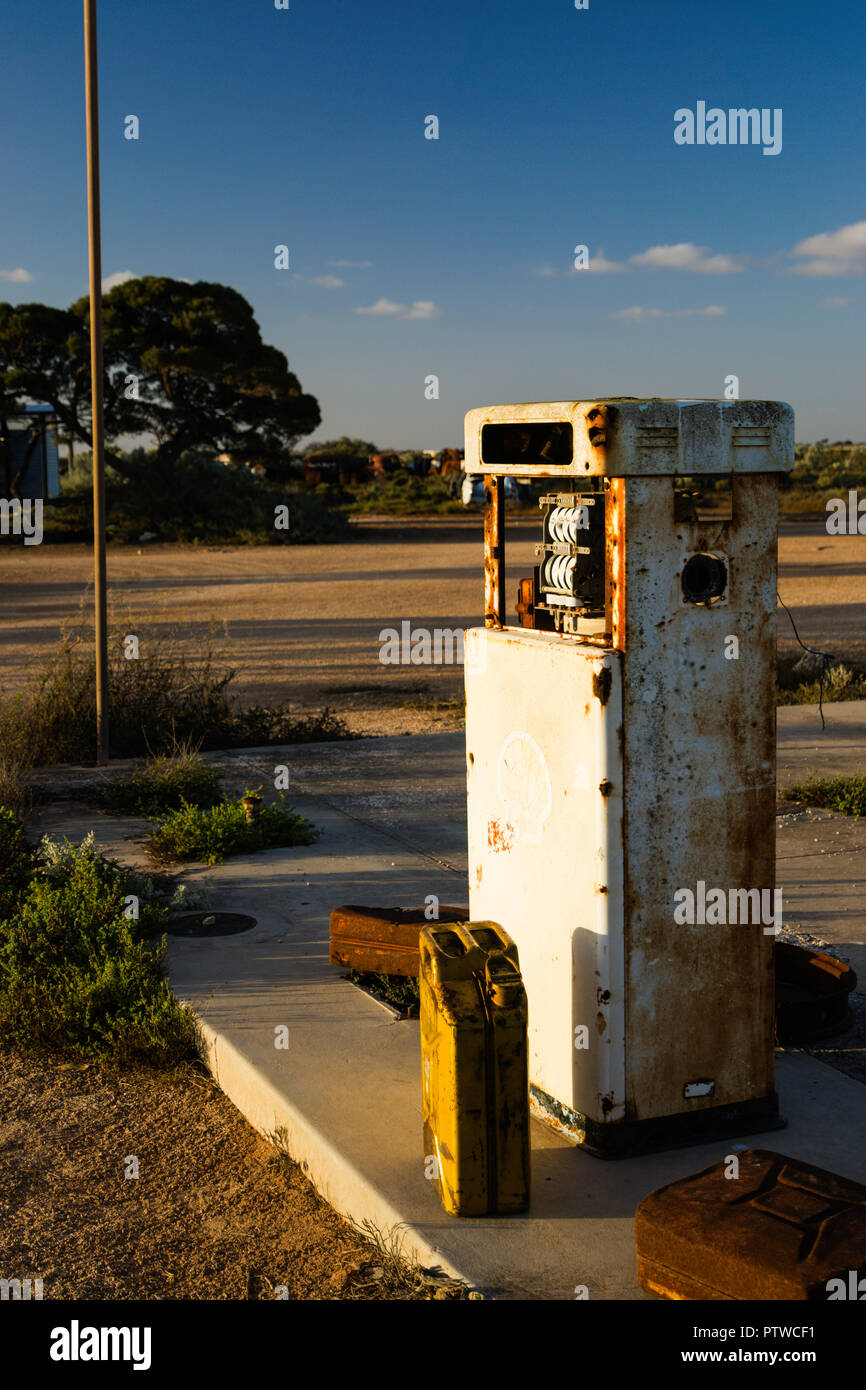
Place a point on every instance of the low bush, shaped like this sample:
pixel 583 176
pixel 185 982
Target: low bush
pixel 801 684
pixel 78 975
pixel 208 835
pixel 165 783
pixel 165 698
pixel 16 860
pixel 822 471
pixel 15 793
pixel 198 499
pixel 403 494
pixel 845 794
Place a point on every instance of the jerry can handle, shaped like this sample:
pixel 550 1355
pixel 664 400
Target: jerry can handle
pixel 502 979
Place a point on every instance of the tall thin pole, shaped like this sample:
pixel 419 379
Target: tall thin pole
pixel 95 250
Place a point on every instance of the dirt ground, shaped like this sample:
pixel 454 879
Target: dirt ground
pixel 303 623
pixel 215 1213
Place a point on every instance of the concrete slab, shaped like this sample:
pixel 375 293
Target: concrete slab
pixel 346 1091
pixel 806 750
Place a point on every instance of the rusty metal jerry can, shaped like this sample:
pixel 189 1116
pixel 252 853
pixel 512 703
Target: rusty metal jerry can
pixel 383 940
pixel 475 1082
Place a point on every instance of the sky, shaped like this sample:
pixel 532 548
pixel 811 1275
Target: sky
pixel 412 257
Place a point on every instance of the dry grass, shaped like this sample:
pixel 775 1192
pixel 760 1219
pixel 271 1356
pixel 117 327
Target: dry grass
pixel 216 1212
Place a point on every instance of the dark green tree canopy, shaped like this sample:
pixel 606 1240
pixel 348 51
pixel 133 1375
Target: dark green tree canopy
pixel 344 447
pixel 184 363
pixel 36 347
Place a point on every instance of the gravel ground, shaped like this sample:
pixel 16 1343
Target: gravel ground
pixel 216 1212
pixel 303 623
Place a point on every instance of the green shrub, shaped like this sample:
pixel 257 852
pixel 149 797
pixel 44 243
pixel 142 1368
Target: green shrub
pixel 163 699
pixel 200 500
pixel 261 725
pixel 209 835
pixel 841 682
pixel 405 494
pixel 15 792
pixel 80 977
pixel 165 783
pixel 822 471
pixel 17 861
pixel 845 794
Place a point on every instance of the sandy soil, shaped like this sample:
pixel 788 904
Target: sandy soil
pixel 303 623
pixel 215 1212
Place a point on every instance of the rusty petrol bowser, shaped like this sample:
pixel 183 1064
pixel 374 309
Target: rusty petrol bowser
pixel 621 759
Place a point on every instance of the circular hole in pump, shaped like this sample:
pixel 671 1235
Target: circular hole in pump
pixel 704 578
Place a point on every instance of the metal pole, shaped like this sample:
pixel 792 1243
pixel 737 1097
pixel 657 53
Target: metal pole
pixel 494 550
pixel 95 253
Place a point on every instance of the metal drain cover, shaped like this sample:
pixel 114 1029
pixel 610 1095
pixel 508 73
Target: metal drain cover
pixel 209 924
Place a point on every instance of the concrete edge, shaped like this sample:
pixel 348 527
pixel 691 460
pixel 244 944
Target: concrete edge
pixel 341 1185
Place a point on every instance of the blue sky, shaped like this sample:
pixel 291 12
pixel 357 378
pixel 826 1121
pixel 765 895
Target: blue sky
pixel 305 127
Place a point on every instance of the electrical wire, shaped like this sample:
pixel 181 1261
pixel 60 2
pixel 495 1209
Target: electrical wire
pixel 826 657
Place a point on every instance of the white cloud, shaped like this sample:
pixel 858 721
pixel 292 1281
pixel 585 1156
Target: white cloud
pixel 684 255
pixel 842 252
pixel 637 314
pixel 600 265
pixel 20 276
pixel 382 307
pixel 324 282
pixel 387 308
pixel 423 309
pixel 119 277
pixel 836 301
pixel 351 265
pixel 597 265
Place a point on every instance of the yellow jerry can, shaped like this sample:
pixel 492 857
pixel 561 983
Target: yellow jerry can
pixel 475 1082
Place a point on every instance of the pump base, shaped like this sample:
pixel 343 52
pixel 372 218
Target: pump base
pixel 626 1138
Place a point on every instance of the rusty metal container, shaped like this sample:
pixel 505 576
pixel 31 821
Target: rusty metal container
pixel 475 1095
pixel 621 753
pixel 812 992
pixel 768 1228
pixel 383 940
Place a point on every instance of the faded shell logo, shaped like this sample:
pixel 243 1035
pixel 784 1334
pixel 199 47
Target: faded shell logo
pixel 523 783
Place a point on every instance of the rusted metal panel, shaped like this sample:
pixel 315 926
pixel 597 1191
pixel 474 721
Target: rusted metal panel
pixel 380 465
pixel 615 561
pixel 494 553
pixel 623 437
pixel 382 939
pixel 450 462
pixel 525 601
pixel 771 1228
pixel 699 770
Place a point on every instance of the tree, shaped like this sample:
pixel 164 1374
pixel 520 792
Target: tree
pixel 344 447
pixel 36 346
pixel 183 363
